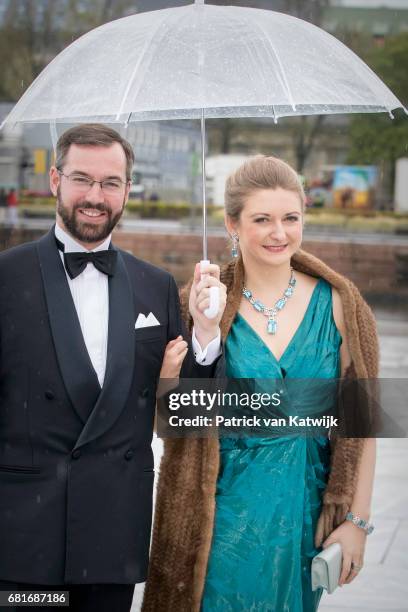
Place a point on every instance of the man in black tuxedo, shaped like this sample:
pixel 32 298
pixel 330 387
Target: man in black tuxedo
pixel 83 330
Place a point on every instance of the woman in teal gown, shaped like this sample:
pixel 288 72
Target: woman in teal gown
pixel 269 490
pixel 284 330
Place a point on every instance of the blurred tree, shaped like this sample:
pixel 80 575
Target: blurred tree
pixel 357 41
pixel 310 10
pixel 34 31
pixel 377 138
pixel 304 133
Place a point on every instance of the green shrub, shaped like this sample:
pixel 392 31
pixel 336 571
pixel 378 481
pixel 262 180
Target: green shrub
pixel 162 210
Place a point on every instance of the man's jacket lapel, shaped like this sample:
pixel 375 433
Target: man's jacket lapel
pixel 120 357
pixel 80 379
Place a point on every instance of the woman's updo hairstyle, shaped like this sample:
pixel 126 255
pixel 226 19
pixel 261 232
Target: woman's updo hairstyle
pixel 259 172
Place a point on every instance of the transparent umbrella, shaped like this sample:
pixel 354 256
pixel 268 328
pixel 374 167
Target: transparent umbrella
pixel 202 61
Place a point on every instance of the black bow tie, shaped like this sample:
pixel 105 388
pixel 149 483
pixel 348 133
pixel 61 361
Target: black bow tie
pixel 75 263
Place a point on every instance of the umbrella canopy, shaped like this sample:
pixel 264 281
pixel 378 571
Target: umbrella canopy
pixel 229 61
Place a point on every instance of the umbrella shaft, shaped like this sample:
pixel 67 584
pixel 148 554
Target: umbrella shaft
pixel 203 184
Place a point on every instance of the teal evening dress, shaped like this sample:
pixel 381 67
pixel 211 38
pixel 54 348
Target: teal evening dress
pixel 269 490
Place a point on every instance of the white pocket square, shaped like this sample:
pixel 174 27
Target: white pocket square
pixel 143 321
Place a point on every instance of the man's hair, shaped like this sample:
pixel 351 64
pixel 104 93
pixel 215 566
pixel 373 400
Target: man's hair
pixel 96 135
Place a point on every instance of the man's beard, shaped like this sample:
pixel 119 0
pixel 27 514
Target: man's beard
pixel 81 230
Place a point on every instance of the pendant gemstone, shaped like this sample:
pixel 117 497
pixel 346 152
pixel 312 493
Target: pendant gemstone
pixel 272 325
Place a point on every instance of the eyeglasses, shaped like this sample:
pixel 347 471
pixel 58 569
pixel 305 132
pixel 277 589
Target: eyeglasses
pixel 83 184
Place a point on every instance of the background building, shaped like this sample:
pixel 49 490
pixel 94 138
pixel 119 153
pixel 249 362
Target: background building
pixel 166 157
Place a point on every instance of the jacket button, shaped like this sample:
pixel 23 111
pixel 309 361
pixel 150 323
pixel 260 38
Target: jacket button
pixel 129 455
pixel 49 394
pixel 144 392
pixel 76 453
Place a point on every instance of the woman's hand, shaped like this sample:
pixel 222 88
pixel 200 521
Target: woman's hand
pixel 352 540
pixel 174 355
pixel 206 329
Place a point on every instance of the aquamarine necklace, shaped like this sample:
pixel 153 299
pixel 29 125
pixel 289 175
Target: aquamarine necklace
pixel 271 313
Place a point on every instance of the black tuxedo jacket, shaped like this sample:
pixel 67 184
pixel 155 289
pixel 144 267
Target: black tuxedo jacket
pixel 76 465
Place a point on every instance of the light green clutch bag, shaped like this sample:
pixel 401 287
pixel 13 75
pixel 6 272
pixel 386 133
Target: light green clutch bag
pixel 326 568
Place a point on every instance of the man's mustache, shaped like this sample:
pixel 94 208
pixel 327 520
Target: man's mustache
pixel 88 206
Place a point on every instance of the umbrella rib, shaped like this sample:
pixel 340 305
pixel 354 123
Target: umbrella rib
pixel 149 43
pixel 283 79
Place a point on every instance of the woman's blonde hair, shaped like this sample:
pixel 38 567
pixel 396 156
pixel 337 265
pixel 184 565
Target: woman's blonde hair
pixel 259 172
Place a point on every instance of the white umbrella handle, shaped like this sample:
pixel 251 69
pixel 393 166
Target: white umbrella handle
pixel 212 311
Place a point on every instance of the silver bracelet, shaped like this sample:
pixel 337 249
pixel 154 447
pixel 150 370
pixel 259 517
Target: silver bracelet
pixel 359 522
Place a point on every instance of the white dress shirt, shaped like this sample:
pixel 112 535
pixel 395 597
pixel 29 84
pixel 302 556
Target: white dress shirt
pixel 90 293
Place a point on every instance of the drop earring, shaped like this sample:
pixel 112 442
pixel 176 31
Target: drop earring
pixel 235 240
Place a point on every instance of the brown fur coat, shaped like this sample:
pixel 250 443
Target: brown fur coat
pixel 185 503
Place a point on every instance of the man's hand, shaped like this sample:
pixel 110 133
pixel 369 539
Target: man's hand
pixel 174 355
pixel 206 329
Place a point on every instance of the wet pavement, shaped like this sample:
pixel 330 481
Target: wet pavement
pixel 382 585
